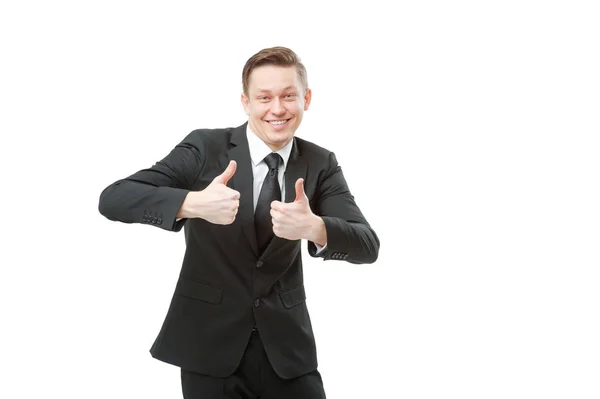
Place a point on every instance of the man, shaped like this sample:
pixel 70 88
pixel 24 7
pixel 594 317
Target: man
pixel 238 325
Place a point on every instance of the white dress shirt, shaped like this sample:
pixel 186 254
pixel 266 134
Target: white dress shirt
pixel 258 151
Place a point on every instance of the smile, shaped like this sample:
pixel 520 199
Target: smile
pixel 278 122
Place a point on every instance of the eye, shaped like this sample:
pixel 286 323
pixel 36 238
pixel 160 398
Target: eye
pixel 263 98
pixel 290 95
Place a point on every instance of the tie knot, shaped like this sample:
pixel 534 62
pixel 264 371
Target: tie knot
pixel 272 160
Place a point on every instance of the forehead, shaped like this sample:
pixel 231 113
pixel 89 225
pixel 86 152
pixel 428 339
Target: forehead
pixel 273 78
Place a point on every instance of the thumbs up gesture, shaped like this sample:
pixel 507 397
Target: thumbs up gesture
pixel 217 203
pixel 294 220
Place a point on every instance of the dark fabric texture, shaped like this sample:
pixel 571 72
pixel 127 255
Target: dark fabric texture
pixel 254 378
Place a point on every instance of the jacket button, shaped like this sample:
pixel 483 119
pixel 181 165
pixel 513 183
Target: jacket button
pixel 259 263
pixel 256 302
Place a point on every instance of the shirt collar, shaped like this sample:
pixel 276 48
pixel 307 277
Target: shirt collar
pixel 259 150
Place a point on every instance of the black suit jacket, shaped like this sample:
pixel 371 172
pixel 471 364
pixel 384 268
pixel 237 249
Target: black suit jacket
pixel 225 284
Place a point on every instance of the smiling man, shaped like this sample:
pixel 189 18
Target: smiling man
pixel 238 325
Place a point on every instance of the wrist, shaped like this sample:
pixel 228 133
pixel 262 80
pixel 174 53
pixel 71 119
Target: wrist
pixel 190 207
pixel 318 233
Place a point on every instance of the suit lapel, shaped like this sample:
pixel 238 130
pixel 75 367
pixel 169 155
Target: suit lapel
pixel 295 169
pixel 243 181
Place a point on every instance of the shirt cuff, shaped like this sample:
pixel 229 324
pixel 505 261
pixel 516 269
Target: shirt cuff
pixel 319 248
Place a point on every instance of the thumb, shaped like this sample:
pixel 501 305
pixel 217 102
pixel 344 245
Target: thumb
pixel 300 194
pixel 224 177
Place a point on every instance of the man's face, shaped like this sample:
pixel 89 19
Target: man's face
pixel 275 104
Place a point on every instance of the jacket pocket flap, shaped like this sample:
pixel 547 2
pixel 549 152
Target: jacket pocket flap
pixel 293 297
pixel 200 290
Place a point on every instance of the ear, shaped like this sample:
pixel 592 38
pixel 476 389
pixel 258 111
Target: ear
pixel 245 102
pixel 307 98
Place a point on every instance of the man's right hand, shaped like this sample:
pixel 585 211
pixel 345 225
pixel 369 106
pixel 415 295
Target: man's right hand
pixel 217 203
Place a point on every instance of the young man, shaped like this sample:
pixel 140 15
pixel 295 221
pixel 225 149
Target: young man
pixel 238 325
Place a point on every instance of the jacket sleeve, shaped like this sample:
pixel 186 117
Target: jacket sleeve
pixel 154 196
pixel 349 235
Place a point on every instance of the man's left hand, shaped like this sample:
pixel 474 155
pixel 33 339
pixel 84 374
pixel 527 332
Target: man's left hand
pixel 294 220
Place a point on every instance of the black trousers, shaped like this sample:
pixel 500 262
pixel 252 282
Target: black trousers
pixel 254 379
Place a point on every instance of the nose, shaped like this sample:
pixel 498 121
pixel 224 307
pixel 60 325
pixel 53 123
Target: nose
pixel 277 107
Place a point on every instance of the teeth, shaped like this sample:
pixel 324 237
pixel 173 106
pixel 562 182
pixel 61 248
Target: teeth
pixel 277 122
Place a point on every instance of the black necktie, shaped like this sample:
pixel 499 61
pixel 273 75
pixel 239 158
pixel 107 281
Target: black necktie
pixel 269 192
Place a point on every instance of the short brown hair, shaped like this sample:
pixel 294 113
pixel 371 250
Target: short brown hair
pixel 280 56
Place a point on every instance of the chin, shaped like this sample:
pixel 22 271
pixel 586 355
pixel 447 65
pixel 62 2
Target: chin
pixel 280 138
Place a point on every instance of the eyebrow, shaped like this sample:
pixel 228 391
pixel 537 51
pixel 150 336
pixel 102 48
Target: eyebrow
pixel 268 91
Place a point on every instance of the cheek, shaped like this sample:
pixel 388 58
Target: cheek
pixel 298 112
pixel 258 113
pixel 295 109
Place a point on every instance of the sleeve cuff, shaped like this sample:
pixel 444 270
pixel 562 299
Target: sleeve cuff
pixel 320 249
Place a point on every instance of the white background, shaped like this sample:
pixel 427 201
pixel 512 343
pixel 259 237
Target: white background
pixel 467 131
